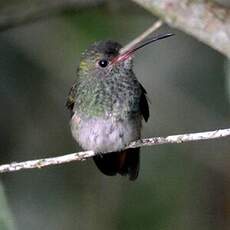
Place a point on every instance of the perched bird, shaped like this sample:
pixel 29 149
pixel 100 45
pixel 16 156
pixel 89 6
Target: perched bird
pixel 107 105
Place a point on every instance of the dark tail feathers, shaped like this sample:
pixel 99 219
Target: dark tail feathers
pixel 125 163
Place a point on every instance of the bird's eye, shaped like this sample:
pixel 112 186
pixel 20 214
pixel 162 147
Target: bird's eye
pixel 103 63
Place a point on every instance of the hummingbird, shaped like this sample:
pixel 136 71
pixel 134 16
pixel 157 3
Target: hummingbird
pixel 107 105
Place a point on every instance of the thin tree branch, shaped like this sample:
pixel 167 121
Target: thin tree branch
pixel 204 19
pixel 80 156
pixel 12 18
pixel 155 26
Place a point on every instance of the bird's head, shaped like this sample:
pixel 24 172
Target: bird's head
pixel 104 57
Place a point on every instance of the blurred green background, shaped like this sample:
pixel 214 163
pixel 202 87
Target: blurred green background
pixel 183 186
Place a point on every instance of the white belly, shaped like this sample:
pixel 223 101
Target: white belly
pixel 105 135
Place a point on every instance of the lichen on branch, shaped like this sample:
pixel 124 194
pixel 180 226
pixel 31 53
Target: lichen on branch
pixel 80 156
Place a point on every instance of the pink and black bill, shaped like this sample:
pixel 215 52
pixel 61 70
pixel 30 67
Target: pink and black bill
pixel 122 56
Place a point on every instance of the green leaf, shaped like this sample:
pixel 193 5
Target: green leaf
pixel 6 220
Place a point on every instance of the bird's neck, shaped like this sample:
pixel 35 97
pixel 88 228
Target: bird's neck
pixel 92 99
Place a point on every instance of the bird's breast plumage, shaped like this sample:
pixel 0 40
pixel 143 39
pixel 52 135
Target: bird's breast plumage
pixel 117 95
pixel 105 135
pixel 107 114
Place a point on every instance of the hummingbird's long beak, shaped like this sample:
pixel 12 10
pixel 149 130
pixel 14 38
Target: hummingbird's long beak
pixel 122 56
